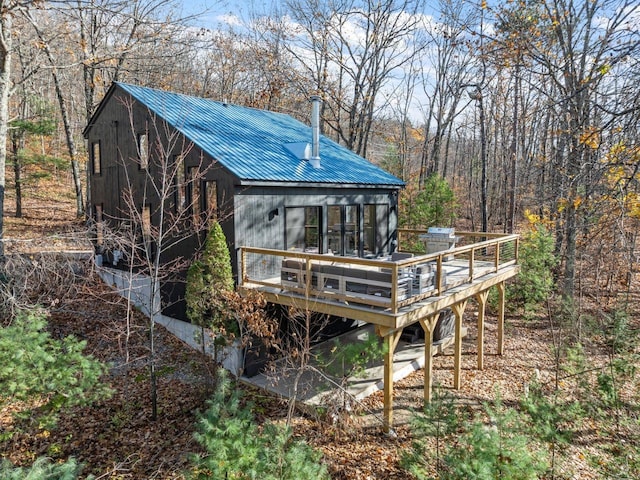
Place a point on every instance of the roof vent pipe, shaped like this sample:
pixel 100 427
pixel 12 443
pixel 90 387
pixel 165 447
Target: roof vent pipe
pixel 315 131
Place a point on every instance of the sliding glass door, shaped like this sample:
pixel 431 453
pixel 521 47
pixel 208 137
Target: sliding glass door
pixel 343 230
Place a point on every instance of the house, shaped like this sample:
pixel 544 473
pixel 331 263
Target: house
pixel 270 180
pixel 308 222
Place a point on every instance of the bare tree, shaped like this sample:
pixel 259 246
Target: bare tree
pixel 119 39
pixel 23 119
pixel 156 217
pixel 577 52
pixel 222 66
pixel 448 70
pixel 9 11
pixel 64 113
pixel 352 50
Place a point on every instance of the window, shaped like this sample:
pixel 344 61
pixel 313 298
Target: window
pixel 370 227
pixel 143 150
pixel 146 228
pixel 210 194
pixel 351 230
pixel 334 229
pixel 146 221
pixel 180 194
pixel 96 161
pixel 343 230
pixel 303 229
pixel 99 224
pixel 194 194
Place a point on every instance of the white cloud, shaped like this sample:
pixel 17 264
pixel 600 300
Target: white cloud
pixel 230 20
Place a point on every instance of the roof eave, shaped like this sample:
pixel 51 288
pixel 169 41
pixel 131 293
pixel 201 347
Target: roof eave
pixel 274 183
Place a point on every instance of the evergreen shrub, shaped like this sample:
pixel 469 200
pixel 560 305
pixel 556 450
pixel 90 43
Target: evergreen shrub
pixel 42 469
pixel 236 447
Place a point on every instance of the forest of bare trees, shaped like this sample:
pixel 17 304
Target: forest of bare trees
pixel 522 106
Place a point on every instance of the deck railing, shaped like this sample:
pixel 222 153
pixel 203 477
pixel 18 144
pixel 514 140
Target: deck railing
pixel 379 283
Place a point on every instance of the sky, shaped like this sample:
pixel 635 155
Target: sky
pixel 214 13
pixel 219 14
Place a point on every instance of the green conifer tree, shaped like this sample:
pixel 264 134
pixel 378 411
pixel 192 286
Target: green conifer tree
pixel 36 369
pixel 209 278
pixel 54 373
pixel 471 447
pixel 535 282
pixel 434 205
pixel 235 447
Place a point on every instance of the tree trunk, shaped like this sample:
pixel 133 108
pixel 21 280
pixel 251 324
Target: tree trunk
pixel 511 217
pixel 568 286
pixel 5 88
pixel 73 154
pixel 483 161
pixel 17 172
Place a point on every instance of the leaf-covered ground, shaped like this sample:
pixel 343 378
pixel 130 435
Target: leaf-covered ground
pixel 116 438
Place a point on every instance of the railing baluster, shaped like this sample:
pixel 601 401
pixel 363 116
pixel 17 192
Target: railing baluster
pixel 394 289
pixel 471 261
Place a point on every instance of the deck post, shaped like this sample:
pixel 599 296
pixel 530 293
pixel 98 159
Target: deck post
pixel 501 295
pixel 394 289
pixel 391 342
pixel 458 310
pixel 428 324
pixel 481 298
pixel 307 283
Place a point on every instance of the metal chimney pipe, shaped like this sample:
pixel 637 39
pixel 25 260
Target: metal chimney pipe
pixel 315 131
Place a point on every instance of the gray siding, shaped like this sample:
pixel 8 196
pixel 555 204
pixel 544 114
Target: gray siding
pixel 252 207
pixel 255 227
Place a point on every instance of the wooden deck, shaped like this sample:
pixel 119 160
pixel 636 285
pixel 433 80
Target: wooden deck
pixel 390 294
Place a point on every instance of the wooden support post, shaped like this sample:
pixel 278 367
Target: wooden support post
pixel 458 310
pixel 428 324
pixel 308 277
pixel 501 295
pixel 481 298
pixel 391 342
pixel 243 266
pixel 394 289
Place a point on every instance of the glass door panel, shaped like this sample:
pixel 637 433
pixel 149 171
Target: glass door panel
pixel 343 230
pixel 303 229
pixel 334 229
pixel 369 248
pixel 351 230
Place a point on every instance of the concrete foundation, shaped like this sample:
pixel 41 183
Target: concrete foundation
pixel 137 288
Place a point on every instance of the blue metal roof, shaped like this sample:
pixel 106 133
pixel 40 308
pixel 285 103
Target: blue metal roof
pixel 251 142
